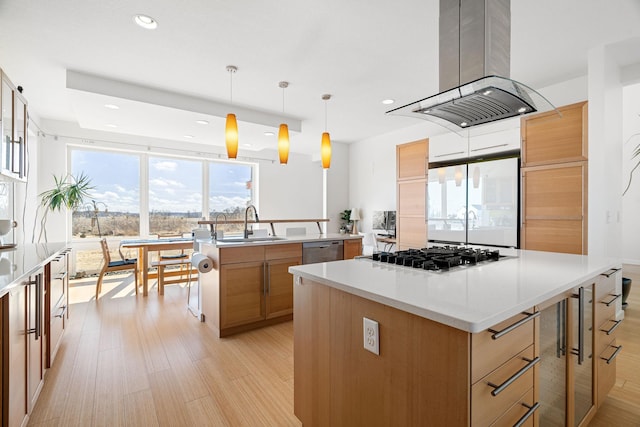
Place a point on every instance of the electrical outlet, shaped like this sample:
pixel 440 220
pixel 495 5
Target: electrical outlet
pixel 371 336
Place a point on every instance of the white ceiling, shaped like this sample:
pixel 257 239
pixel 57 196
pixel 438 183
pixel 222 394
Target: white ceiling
pixel 360 51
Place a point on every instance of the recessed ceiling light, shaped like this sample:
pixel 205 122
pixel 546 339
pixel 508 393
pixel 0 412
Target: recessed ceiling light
pixel 522 109
pixel 269 133
pixel 388 101
pixel 202 122
pixel 111 106
pixel 145 22
pixel 487 92
pixel 188 136
pixel 463 124
pixel 111 125
pixel 247 145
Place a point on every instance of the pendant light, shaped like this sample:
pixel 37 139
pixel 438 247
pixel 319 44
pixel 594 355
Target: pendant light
pixel 231 126
pixel 476 177
pixel 283 132
pixel 442 175
pixel 458 176
pixel 325 145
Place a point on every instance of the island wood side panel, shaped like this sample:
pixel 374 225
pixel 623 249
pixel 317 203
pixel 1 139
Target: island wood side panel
pixel 421 376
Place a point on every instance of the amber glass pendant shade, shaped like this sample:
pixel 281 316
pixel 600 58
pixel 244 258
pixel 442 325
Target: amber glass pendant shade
pixel 283 143
pixel 231 136
pixel 325 150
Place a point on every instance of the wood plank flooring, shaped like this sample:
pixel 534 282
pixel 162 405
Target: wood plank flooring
pixel 127 361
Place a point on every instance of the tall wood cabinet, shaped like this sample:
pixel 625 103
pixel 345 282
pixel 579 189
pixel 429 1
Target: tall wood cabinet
pixel 412 165
pixel 554 180
pixel 13 130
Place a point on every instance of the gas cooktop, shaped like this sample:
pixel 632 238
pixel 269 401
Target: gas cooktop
pixel 438 258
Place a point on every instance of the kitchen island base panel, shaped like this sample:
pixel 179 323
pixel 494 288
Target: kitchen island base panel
pixel 421 376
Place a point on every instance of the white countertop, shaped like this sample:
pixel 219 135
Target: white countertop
pixel 283 240
pixel 468 298
pixel 18 263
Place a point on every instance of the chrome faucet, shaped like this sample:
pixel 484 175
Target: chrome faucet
pixel 215 226
pixel 246 214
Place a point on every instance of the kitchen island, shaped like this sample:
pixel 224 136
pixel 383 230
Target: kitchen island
pixel 456 348
pixel 250 285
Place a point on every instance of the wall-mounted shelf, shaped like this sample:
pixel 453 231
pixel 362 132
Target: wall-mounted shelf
pixel 265 221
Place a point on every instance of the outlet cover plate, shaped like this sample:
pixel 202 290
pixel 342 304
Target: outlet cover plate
pixel 371 335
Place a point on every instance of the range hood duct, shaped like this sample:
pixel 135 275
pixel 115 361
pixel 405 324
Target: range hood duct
pixel 475 56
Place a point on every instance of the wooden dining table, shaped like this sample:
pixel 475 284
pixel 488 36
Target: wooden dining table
pixel 144 246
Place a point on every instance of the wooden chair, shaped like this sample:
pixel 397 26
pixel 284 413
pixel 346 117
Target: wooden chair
pixel 125 264
pixel 180 259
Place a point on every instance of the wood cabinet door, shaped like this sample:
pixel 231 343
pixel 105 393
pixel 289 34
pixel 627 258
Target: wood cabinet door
pixel 411 221
pixel 548 138
pixel 35 338
pixel 17 355
pixel 412 159
pixel 242 293
pixel 280 287
pixel 352 248
pixel 554 208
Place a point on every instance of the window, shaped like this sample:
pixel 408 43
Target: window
pixel 230 191
pixel 115 206
pixel 175 195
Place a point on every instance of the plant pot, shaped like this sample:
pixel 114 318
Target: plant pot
pixel 626 288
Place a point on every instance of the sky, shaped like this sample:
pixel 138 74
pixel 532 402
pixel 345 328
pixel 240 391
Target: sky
pixel 175 185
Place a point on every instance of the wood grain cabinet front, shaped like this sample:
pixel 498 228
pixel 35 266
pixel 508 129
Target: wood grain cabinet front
pixel 251 287
pixel 56 305
pixel 605 348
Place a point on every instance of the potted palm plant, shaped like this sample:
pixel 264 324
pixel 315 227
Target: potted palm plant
pixel 68 192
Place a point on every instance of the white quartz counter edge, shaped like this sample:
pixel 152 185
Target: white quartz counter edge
pixel 285 240
pixel 471 299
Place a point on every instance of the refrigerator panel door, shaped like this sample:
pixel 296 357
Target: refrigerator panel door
pixel 446 204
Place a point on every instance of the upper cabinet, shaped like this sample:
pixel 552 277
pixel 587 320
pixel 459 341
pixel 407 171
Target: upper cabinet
pixel 451 146
pixel 13 130
pixel 412 160
pixel 548 138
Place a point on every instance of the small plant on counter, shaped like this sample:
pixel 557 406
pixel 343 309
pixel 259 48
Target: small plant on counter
pixel 346 222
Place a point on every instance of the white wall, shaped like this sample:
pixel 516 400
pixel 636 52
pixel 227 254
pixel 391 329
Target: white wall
pixel 631 200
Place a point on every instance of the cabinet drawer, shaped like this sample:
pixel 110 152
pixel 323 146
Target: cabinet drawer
pixel 241 254
pixel 604 311
pixel 485 407
pixel 606 285
pixel 58 264
pixel 517 411
pixel 293 250
pixel 606 371
pixel 57 288
pixel 56 327
pixel 605 334
pixel 488 353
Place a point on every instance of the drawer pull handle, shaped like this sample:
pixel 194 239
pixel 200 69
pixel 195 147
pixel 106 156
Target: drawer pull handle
pixel 62 312
pixel 498 334
pixel 61 276
pixel 531 409
pixel 616 323
pixel 608 273
pixel 497 389
pixel 615 297
pixel 613 356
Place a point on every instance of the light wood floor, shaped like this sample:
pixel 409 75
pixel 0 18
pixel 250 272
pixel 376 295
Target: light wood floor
pixel 147 361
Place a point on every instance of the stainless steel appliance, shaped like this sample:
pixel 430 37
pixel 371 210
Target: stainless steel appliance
pixel 474 203
pixel 324 251
pixel 439 258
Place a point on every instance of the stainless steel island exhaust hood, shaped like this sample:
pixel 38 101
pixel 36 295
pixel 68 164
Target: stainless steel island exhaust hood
pixel 475 45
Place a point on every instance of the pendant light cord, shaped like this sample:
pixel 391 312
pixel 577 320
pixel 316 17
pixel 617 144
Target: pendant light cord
pixel 325 115
pixel 231 86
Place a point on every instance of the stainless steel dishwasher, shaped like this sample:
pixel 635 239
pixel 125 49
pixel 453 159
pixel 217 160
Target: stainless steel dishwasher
pixel 325 251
